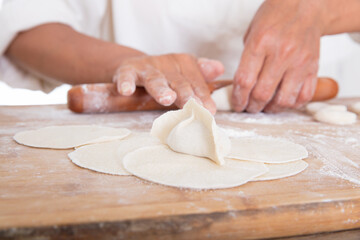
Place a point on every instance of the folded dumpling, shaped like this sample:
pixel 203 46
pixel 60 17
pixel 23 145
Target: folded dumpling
pixel 192 130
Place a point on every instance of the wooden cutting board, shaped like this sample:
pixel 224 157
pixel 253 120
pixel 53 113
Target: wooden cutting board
pixel 42 194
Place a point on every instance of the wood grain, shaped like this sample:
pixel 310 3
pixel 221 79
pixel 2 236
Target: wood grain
pixel 42 194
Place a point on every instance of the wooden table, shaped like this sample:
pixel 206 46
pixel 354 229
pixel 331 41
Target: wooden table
pixel 43 195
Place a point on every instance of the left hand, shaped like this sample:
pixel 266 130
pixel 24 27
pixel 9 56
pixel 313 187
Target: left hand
pixel 279 64
pixel 169 78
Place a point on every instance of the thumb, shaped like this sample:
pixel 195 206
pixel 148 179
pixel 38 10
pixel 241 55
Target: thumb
pixel 211 69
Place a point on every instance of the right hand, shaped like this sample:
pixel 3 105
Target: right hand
pixel 170 78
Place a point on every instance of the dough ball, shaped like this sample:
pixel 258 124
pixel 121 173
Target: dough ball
pixel 222 98
pixel 337 107
pixel 282 170
pixel 355 107
pixel 313 107
pixel 161 165
pixel 64 137
pixel 266 150
pixel 335 117
pixel 107 157
pixel 192 130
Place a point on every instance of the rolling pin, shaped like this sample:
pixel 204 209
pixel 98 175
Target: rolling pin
pixel 104 97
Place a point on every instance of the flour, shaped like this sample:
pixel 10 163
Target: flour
pixel 238 133
pixel 337 148
pixel 331 151
pixel 98 100
pixel 293 117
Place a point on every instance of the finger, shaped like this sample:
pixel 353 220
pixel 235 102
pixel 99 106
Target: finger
pixel 268 81
pixel 307 91
pixel 157 86
pixel 201 90
pixel 182 88
pixel 287 93
pixel 210 69
pixel 125 78
pixel 246 77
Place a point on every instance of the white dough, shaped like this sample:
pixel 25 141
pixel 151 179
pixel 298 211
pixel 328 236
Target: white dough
pixel 160 164
pixel 337 107
pixel 222 98
pixel 355 107
pixel 313 107
pixel 107 157
pixel 266 150
pixel 64 137
pixel 192 130
pixel 335 117
pixel 282 170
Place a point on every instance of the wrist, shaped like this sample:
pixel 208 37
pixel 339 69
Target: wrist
pixel 339 16
pixel 117 55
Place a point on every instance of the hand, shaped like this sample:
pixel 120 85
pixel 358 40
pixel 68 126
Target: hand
pixel 170 78
pixel 279 64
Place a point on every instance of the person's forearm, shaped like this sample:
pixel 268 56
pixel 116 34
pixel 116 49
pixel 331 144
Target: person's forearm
pixel 340 16
pixel 59 52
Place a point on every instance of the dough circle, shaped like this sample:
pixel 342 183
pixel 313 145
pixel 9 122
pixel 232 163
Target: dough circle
pixel 282 170
pixel 266 150
pixel 355 107
pixel 64 137
pixel 107 157
pixel 161 165
pixel 313 107
pixel 335 117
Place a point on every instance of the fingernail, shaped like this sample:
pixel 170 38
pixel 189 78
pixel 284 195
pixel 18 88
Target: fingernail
pixel 126 88
pixel 167 98
pixel 207 68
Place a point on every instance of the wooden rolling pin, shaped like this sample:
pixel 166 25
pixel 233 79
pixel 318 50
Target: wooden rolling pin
pixel 104 97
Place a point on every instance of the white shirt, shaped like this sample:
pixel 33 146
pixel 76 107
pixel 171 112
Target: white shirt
pixel 205 28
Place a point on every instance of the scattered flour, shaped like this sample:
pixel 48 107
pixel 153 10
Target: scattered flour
pixel 292 117
pixel 331 145
pixel 332 152
pixel 238 133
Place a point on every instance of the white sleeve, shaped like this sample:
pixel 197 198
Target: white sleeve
pixel 355 37
pixel 20 15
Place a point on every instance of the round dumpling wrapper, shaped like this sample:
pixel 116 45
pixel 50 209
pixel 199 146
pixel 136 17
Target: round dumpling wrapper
pixel 107 157
pixel 161 165
pixel 266 150
pixel 70 136
pixel 282 170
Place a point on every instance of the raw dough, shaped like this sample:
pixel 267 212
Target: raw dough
pixel 107 157
pixel 192 130
pixel 282 170
pixel 338 107
pixel 162 165
pixel 64 137
pixel 313 107
pixel 266 150
pixel 355 107
pixel 335 117
pixel 222 98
